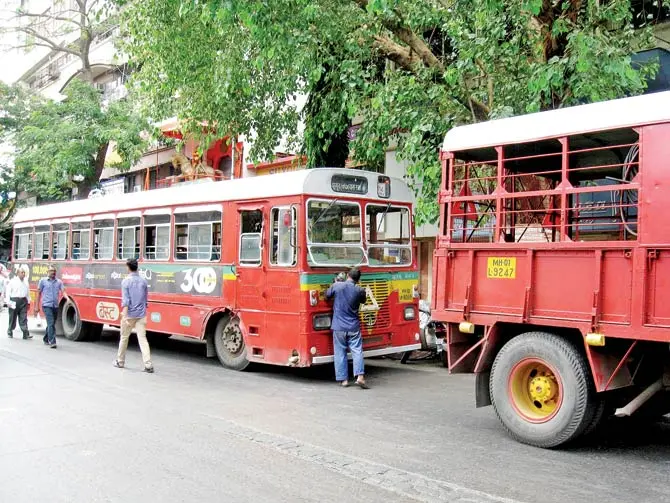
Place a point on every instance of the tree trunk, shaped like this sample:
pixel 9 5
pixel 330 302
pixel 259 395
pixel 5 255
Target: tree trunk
pixel 85 187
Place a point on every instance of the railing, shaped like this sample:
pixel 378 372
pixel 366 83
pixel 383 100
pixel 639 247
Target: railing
pixel 186 179
pixel 580 194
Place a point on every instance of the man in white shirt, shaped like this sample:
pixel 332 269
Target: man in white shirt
pixel 18 301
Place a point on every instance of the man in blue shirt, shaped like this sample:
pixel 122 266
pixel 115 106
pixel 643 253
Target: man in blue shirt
pixel 49 291
pixel 134 295
pixel 347 327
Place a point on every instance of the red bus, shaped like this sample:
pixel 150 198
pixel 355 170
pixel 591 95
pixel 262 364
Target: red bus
pixel 241 264
pixel 552 264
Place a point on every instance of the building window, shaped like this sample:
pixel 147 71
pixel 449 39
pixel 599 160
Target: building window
pixel 198 235
pixel 129 183
pixel 157 237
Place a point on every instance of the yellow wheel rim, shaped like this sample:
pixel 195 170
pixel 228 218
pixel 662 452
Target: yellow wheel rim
pixel 535 390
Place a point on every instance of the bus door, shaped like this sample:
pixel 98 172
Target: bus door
pixel 284 301
pixel 251 266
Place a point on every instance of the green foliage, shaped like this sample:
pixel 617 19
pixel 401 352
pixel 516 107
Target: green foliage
pixel 62 144
pixel 241 65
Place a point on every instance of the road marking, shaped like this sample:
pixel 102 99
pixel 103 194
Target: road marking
pixel 412 485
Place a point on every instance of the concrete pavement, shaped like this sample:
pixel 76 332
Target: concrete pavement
pixel 75 429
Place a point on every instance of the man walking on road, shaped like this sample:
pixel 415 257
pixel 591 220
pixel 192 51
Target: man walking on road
pixel 347 327
pixel 18 301
pixel 134 293
pixel 49 291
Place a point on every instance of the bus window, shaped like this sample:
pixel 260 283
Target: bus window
pixel 282 238
pixel 59 235
pixel 157 237
pixel 334 233
pixel 42 242
pixel 251 227
pixel 23 243
pixel 128 238
pixel 103 239
pixel 388 235
pixel 81 241
pixel 198 235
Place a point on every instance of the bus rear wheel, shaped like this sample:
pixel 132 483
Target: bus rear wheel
pixel 74 328
pixel 229 344
pixel 540 390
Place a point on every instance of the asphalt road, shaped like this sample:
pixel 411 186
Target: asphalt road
pixel 75 429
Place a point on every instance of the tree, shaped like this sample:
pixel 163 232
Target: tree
pixel 60 145
pixel 16 104
pixel 68 27
pixel 410 69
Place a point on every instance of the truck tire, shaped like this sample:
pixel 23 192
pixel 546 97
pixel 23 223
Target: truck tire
pixel 229 344
pixel 541 390
pixel 599 413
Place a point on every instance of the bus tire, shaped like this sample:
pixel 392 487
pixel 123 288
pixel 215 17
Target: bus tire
pixel 157 338
pixel 229 344
pixel 73 327
pixel 92 330
pixel 541 390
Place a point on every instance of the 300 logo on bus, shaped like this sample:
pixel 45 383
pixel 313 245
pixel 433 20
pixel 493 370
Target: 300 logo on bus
pixel 200 280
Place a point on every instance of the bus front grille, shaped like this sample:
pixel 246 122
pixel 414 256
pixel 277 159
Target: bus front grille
pixel 375 314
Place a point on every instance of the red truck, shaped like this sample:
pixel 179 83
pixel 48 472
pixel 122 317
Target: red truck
pixel 551 261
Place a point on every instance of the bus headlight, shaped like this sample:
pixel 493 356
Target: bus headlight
pixel 321 321
pixel 410 314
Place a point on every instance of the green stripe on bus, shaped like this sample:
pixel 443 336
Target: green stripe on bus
pixel 318 279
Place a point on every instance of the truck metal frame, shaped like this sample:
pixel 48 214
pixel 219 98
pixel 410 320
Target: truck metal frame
pixel 551 263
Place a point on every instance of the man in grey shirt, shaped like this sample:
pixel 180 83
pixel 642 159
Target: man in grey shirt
pixel 134 293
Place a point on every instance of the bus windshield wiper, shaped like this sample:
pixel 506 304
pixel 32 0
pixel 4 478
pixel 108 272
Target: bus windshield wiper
pixel 388 206
pixel 324 212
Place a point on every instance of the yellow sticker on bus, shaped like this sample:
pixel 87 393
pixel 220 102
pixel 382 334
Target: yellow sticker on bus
pixel 501 267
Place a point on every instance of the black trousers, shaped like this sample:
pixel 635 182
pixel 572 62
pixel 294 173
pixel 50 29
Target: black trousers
pixel 19 312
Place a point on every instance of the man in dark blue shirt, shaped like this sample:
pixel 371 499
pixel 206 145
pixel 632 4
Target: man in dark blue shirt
pixel 347 327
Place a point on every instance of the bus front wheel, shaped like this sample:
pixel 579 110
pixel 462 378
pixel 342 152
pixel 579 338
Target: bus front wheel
pixel 541 391
pixel 229 344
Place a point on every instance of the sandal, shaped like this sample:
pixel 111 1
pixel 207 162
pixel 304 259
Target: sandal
pixel 362 385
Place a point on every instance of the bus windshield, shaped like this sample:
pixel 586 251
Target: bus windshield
pixel 387 230
pixel 334 233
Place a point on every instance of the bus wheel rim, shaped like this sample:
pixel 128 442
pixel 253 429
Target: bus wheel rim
pixel 232 339
pixel 535 390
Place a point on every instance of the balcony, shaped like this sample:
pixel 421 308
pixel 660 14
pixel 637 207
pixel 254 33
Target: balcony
pixel 171 181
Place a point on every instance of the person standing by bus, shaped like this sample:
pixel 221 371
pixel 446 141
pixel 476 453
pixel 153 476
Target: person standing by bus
pixel 348 297
pixel 49 291
pixel 134 301
pixel 18 300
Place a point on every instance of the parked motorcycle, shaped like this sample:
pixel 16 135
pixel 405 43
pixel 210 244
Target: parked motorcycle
pixel 431 334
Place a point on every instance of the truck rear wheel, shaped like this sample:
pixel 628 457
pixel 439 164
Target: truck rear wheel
pixel 540 390
pixel 229 344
